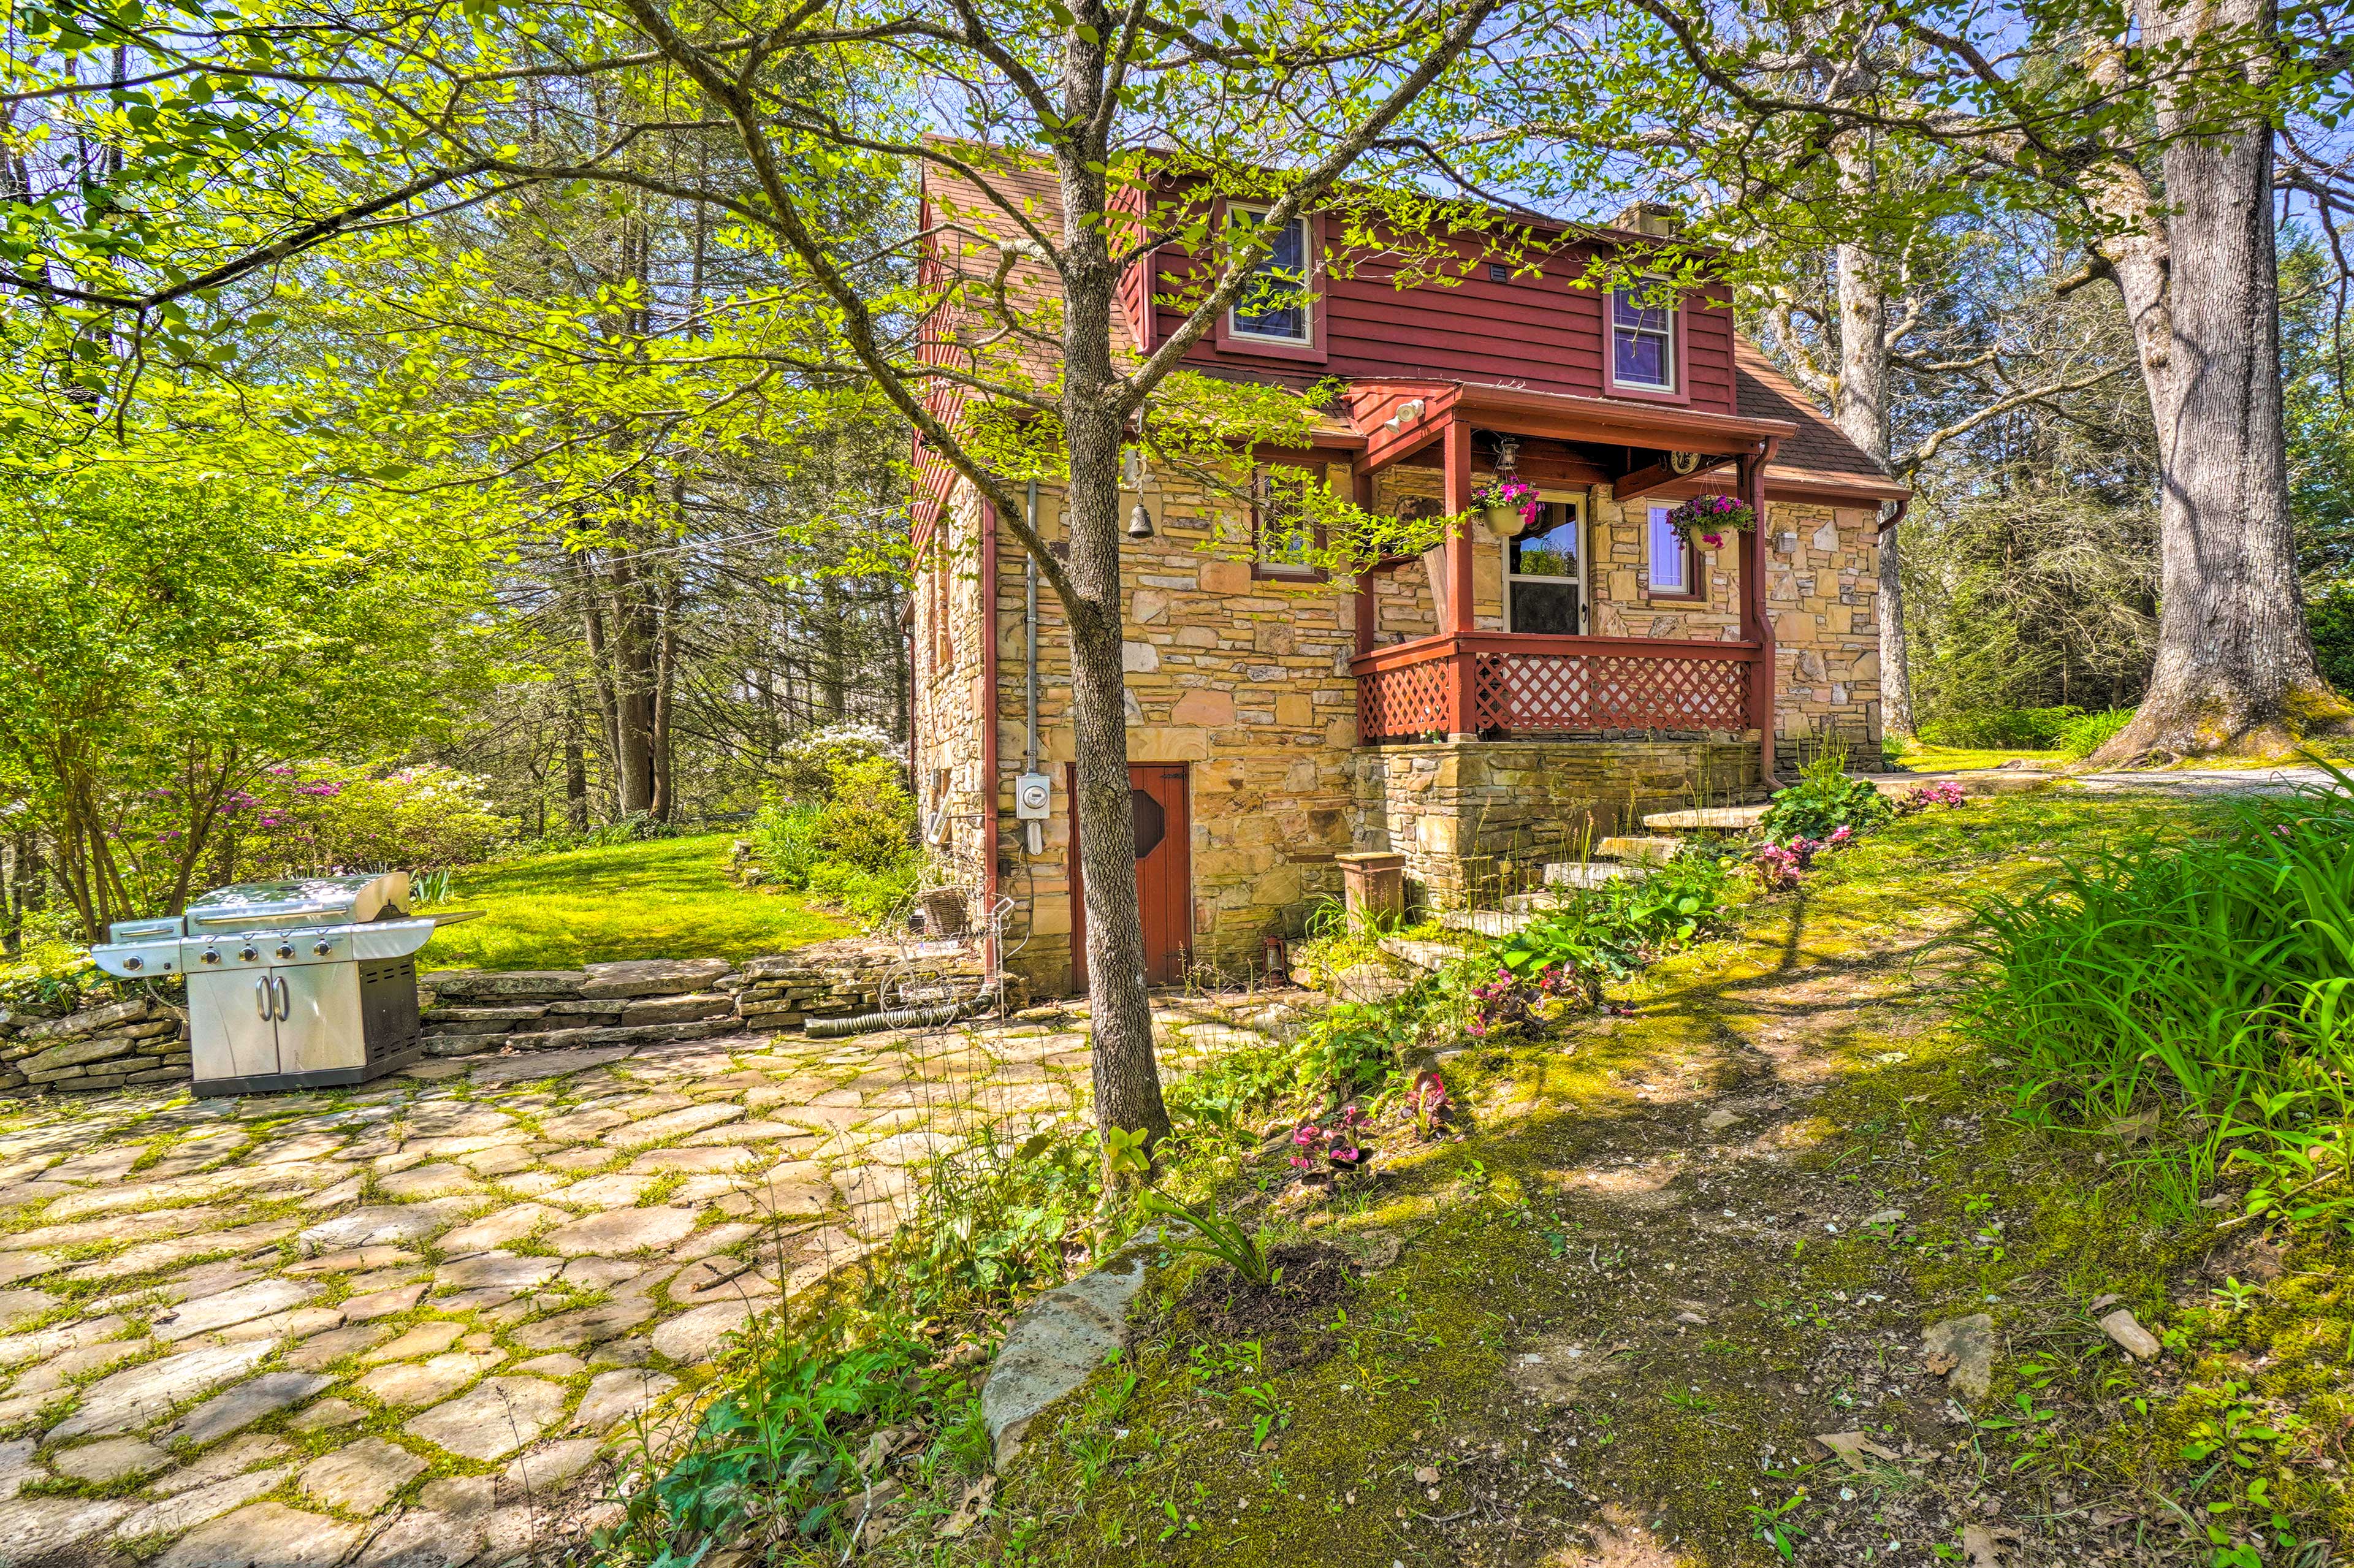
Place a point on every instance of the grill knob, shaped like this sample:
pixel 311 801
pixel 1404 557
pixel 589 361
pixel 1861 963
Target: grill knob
pixel 134 962
pixel 285 949
pixel 210 956
pixel 323 946
pixel 248 954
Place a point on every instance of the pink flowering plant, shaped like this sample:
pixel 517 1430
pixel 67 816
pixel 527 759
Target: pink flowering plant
pixel 1526 1000
pixel 1426 1101
pixel 1707 519
pixel 303 818
pixel 1505 492
pixel 1315 1146
pixel 1944 792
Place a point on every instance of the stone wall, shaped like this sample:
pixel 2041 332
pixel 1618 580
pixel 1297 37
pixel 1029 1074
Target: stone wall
pixel 1243 677
pixel 641 1000
pixel 1476 818
pixel 142 1041
pixel 137 1041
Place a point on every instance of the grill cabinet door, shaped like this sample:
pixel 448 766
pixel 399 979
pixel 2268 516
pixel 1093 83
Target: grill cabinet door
pixel 319 1026
pixel 231 1033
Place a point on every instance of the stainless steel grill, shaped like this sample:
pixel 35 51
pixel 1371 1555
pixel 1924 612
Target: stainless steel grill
pixel 292 984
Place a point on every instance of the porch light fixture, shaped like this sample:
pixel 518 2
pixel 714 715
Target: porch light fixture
pixel 1140 522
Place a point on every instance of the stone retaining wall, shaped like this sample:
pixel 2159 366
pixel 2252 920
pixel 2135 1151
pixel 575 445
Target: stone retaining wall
pixel 138 1040
pixel 143 1040
pixel 641 1000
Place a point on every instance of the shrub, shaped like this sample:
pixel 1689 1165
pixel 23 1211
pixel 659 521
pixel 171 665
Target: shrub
pixel 1821 802
pixel 2001 729
pixel 868 819
pixel 805 766
pixel 310 817
pixel 852 845
pixel 2082 736
pixel 871 895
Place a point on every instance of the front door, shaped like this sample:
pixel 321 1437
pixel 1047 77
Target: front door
pixel 1544 573
pixel 1163 820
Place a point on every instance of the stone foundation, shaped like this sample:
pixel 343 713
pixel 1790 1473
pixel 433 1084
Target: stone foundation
pixel 1479 819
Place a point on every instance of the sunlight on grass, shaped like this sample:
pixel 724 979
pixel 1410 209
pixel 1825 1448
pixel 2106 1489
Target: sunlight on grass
pixel 665 899
pixel 1921 758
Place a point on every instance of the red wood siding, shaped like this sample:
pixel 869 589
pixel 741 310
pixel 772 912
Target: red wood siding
pixel 1544 336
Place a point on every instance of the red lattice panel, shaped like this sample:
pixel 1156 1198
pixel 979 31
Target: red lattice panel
pixel 1392 705
pixel 1529 694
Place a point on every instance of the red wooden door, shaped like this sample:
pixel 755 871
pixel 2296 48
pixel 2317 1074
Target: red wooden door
pixel 1164 874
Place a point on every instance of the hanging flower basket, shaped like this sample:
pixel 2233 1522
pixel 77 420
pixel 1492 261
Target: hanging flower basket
pixel 1507 506
pixel 1707 519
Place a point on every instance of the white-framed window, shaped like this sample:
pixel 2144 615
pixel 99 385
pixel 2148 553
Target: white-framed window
pixel 1283 537
pixel 1275 303
pixel 1670 564
pixel 1642 338
pixel 1544 573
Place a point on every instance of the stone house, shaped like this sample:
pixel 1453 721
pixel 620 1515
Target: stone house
pixel 1478 709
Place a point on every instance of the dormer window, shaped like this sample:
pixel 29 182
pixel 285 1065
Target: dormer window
pixel 1276 303
pixel 1642 340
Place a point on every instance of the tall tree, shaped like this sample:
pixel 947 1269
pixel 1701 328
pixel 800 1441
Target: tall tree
pixel 429 107
pixel 2150 140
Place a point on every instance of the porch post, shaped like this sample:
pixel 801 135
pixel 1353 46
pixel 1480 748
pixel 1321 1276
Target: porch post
pixel 1757 619
pixel 1361 487
pixel 1459 617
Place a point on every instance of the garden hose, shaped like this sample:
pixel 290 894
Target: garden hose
pixel 894 1018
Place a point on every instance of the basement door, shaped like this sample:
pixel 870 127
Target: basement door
pixel 1164 872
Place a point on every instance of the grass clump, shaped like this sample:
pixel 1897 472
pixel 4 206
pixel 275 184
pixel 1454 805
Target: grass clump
pixel 2205 975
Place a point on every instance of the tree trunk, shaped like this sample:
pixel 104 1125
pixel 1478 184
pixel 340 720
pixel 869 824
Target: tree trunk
pixel 2235 670
pixel 634 688
pixel 575 766
pixel 1862 411
pixel 662 804
pixel 1127 1079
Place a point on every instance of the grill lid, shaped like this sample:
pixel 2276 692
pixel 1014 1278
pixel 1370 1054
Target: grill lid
pixel 298 902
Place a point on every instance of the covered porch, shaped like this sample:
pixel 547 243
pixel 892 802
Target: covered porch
pixel 1611 658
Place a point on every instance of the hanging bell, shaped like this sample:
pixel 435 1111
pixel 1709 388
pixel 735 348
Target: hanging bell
pixel 1140 522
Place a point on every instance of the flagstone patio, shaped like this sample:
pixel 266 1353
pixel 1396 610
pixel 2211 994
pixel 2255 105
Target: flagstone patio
pixel 404 1325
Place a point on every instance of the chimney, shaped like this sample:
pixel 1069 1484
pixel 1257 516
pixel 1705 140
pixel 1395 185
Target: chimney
pixel 1655 219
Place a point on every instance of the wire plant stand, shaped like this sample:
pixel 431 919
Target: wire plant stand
pixel 956 958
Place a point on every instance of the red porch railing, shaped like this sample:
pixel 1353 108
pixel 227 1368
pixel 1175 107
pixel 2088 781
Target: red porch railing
pixel 1483 683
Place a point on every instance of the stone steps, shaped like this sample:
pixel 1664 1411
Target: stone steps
pixel 1706 818
pixel 1422 955
pixel 1640 850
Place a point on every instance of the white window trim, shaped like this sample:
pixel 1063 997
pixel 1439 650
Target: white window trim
pixel 1667 359
pixel 1576 504
pixel 1307 337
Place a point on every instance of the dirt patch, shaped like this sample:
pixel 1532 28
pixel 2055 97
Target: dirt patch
pixel 1315 1276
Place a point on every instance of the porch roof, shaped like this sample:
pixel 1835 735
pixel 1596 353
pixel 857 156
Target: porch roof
pixel 1400 418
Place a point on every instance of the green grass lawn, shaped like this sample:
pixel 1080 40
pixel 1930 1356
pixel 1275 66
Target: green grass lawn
pixel 669 898
pixel 1920 758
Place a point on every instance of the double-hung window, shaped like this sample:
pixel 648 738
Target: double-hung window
pixel 1283 536
pixel 1274 304
pixel 1642 339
